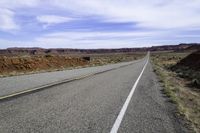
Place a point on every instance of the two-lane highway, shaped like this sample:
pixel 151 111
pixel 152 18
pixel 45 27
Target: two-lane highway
pixel 93 104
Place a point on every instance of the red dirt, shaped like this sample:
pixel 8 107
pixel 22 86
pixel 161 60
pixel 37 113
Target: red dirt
pixel 38 63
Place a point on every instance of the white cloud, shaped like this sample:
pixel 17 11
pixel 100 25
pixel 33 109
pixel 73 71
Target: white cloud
pixel 7 22
pixel 99 40
pixel 84 40
pixel 154 13
pixel 8 10
pixel 52 19
pixel 96 39
pixel 12 4
pixel 166 19
pixel 99 34
pixel 147 13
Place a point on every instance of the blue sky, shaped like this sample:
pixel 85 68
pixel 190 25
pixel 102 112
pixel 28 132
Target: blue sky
pixel 98 23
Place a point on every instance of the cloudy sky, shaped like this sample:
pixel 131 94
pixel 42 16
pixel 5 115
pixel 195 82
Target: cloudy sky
pixel 98 23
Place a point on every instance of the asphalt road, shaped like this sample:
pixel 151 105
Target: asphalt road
pixel 9 85
pixel 92 105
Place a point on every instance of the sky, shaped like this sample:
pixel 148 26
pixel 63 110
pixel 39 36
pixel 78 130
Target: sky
pixel 98 23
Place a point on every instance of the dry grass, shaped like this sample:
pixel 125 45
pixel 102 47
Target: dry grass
pixel 186 98
pixel 19 65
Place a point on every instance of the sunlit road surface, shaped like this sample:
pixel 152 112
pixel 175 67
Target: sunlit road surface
pixel 93 104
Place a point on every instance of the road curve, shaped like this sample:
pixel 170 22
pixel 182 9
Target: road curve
pixel 92 105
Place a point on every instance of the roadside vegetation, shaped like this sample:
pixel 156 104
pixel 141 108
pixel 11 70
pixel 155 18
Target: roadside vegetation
pixel 27 64
pixel 180 84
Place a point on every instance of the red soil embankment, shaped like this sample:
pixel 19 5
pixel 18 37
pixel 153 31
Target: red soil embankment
pixel 38 63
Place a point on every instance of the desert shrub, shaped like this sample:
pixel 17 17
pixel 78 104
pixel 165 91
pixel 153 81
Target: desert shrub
pixel 87 58
pixel 48 56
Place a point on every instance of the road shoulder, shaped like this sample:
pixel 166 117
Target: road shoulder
pixel 150 110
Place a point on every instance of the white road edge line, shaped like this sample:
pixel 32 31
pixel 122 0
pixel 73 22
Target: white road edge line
pixel 124 108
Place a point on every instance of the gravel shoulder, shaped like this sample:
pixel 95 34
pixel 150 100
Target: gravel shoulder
pixel 150 111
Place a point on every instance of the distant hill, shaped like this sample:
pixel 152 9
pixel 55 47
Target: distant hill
pixel 193 47
pixel 189 68
pixel 192 61
pixel 42 51
pixel 171 47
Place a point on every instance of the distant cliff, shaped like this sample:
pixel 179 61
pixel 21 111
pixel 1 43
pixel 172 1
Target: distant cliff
pixel 42 51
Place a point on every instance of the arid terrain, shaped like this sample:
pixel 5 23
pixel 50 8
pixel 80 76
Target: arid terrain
pixel 15 61
pixel 179 74
pixel 24 64
pixel 66 51
pixel 176 66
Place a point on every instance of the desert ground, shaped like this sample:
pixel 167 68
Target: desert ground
pixel 179 74
pixel 27 64
pixel 170 84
